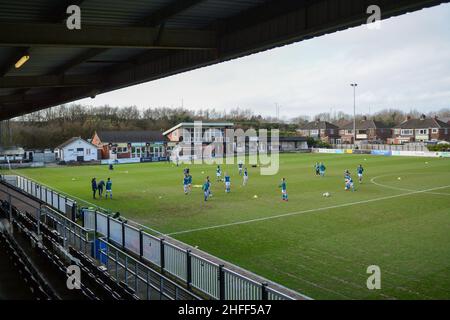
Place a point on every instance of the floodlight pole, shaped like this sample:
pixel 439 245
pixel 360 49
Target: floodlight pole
pixel 354 85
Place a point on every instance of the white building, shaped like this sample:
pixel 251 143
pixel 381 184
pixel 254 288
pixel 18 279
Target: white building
pixel 76 149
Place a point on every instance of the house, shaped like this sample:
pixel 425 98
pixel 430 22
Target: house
pixel 138 144
pixel 320 130
pixel 420 130
pixel 366 130
pixel 186 131
pixel 199 132
pixel 76 149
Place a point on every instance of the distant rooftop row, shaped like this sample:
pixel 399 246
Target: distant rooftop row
pixel 422 129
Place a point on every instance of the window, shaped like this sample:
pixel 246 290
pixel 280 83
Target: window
pixel 331 131
pixel 88 151
pixel 422 131
pixel 70 150
pixel 407 132
pixel 80 149
pixel 435 130
pixel 314 132
pixel 446 131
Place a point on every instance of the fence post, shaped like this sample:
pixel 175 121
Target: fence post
pixel 123 234
pixel 161 241
pixel 10 212
pixel 38 213
pixel 141 244
pixel 264 295
pixel 107 228
pixel 95 235
pixel 51 198
pixel 74 212
pixel 221 283
pixel 188 268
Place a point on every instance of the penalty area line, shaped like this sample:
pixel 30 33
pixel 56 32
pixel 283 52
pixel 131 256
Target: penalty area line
pixel 306 211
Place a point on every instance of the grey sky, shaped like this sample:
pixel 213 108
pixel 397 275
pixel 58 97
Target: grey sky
pixel 404 65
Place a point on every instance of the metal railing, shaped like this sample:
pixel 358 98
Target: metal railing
pixel 208 278
pixel 122 267
pixel 145 282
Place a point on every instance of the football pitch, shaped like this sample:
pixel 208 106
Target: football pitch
pixel 397 219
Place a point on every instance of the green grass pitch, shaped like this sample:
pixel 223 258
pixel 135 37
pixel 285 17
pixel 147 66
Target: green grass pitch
pixel 319 246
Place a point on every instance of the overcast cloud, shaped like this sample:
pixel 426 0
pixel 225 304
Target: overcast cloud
pixel 404 65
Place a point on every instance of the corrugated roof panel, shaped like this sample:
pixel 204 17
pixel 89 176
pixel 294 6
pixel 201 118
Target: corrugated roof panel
pixel 119 12
pixel 28 10
pixel 206 12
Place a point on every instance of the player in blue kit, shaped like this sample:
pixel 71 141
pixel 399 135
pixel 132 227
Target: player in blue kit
pixel 360 171
pixel 227 183
pixel 322 169
pixel 206 188
pixel 108 188
pixel 283 186
pixel 186 184
pixel 349 183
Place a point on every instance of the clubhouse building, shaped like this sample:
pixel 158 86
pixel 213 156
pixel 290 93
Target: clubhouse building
pixel 142 146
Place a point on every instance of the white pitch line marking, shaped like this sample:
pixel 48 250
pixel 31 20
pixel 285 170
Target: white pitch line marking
pixel 306 211
pixel 401 189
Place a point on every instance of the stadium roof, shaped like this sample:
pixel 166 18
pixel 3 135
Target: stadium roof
pixel 122 43
pixel 130 136
pixel 422 123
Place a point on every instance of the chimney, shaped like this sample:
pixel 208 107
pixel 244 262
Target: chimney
pixel 364 118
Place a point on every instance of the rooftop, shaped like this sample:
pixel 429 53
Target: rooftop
pixel 130 136
pixel 422 123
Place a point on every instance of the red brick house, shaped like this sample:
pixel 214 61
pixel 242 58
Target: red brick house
pixel 320 130
pixel 366 130
pixel 420 130
pixel 130 144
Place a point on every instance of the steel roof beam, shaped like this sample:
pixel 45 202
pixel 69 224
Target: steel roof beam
pixel 57 35
pixel 49 81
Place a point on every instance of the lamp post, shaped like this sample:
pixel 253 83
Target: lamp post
pixel 354 85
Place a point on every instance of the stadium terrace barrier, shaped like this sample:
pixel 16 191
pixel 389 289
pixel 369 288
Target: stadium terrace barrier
pixel 125 240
